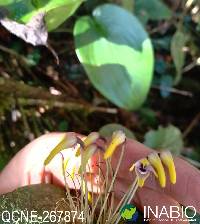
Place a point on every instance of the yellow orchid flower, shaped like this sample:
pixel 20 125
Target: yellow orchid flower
pixel 168 161
pixel 90 139
pixel 142 169
pixel 68 141
pixel 118 138
pixel 155 161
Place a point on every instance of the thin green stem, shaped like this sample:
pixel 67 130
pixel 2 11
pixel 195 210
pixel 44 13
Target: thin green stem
pixel 112 183
pixel 66 185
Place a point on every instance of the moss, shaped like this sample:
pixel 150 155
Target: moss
pixel 39 198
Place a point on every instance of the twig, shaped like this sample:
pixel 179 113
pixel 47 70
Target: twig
pixel 12 52
pixel 173 90
pixel 192 124
pixel 187 68
pixel 67 105
pixel 29 95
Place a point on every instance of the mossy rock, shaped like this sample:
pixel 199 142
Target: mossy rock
pixel 36 202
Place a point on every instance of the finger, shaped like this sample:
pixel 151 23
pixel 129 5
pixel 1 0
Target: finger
pixel 36 174
pixel 156 207
pixel 159 208
pixel 186 189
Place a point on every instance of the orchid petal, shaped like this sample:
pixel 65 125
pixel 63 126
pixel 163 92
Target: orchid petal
pixel 68 141
pixel 168 161
pixel 155 161
pixel 90 139
pixel 86 155
pixel 117 139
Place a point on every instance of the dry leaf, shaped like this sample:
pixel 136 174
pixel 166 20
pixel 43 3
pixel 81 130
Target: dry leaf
pixel 34 32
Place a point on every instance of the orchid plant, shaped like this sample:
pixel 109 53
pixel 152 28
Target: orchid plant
pixel 96 199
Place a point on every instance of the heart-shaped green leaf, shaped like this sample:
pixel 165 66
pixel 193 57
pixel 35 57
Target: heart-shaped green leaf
pixel 116 53
pixel 57 11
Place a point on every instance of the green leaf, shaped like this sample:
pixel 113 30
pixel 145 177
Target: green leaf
pixel 128 5
pixel 108 129
pixel 117 55
pixel 169 138
pixel 63 126
pixel 148 116
pixel 152 9
pixel 57 11
pixel 178 42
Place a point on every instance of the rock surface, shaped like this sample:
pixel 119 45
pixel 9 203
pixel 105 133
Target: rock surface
pixel 34 204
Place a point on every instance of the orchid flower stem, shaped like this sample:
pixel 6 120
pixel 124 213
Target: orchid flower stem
pixel 92 194
pixel 96 202
pixel 86 196
pixel 130 194
pixel 98 193
pixel 125 200
pixel 106 191
pixel 82 190
pixel 108 171
pixel 111 206
pixel 112 182
pixel 129 201
pixel 66 185
pixel 133 194
pixel 127 195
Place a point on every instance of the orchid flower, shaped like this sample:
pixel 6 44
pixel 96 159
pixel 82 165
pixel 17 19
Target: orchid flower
pixel 90 139
pixel 142 169
pixel 68 141
pixel 156 162
pixel 167 160
pixel 118 138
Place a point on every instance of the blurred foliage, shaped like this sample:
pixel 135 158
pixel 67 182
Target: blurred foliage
pixel 145 10
pixel 108 129
pixel 37 96
pixel 168 138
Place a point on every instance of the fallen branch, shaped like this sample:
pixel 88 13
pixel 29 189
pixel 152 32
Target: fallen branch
pixel 29 95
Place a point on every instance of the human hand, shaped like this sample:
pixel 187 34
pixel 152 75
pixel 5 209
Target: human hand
pixel 27 168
